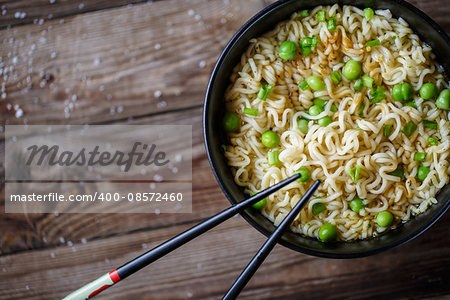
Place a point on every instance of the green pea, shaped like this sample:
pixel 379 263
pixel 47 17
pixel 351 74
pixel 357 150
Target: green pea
pixel 230 122
pixel 303 125
pixel 384 219
pixel 422 172
pixel 328 233
pixel 357 204
pixel 443 100
pixel 320 102
pixel 352 70
pixel 318 207
pixel 428 91
pixel 402 92
pixel 315 110
pixel 325 121
pixel 270 139
pixel 288 50
pixel 315 83
pixel 305 174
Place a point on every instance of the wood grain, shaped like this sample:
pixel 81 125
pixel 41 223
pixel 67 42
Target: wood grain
pixel 117 63
pixel 45 230
pixel 205 268
pixel 20 12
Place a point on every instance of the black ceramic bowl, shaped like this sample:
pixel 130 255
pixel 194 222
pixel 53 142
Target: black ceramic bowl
pixel 214 109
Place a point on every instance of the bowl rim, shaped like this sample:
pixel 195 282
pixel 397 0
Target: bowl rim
pixel 208 147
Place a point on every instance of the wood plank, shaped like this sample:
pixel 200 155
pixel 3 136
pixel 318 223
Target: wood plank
pixel 113 64
pixel 31 231
pixel 20 12
pixel 206 267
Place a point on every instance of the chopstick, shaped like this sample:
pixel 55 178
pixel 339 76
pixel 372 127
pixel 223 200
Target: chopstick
pixel 93 288
pixel 264 251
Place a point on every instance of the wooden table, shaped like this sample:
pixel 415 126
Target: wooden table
pixel 107 62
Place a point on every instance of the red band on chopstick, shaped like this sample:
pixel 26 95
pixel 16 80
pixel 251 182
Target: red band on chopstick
pixel 114 276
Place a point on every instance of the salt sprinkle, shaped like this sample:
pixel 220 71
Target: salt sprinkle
pixel 198 17
pixel 202 64
pixel 223 20
pixel 81 6
pixel 191 12
pixel 19 113
pixel 157 211
pixel 158 178
pixel 157 94
pixel 27 287
pixel 178 158
pixel 152 186
pixel 62 240
pixel 144 246
pixel 189 294
pixel 157 46
pixel 83 241
pixel 69 243
pixel 52 1
pixel 53 55
pixel 52 255
pixel 97 61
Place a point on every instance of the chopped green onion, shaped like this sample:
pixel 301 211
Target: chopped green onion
pixel 333 108
pixel 420 156
pixel 303 85
pixel 409 128
pixel 377 95
pixel 251 111
pixel 303 125
pixel 387 130
pixel 314 41
pixel 306 42
pixel 411 103
pixel 273 157
pixel 367 81
pixel 304 13
pixel 320 102
pixel 373 43
pixel 399 172
pixel 331 24
pixel 368 13
pixel 361 109
pixel 422 172
pixel 223 147
pixel 433 141
pixel 354 173
pixel 306 51
pixel 336 77
pixel 321 16
pixel 318 207
pixel 358 84
pixel 430 124
pixel 264 90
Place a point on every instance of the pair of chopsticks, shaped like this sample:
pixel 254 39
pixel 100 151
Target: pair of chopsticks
pixel 93 288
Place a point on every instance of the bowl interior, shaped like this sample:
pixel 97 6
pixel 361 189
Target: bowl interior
pixel 214 109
